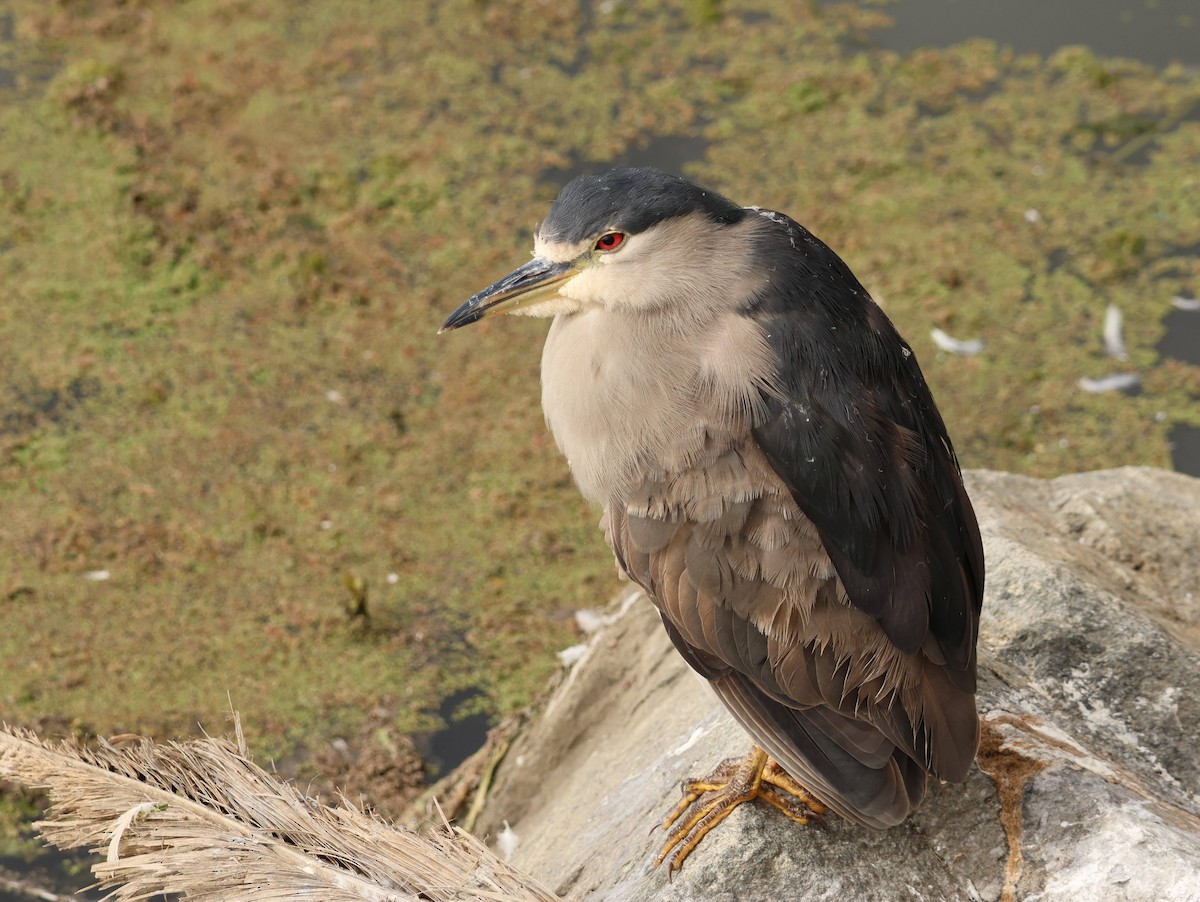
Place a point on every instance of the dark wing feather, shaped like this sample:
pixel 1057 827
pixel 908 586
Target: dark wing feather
pixel 817 755
pixel 862 754
pixel 853 434
pixel 853 431
pixel 849 764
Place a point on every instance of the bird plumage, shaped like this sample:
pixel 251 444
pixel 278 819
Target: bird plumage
pixel 775 474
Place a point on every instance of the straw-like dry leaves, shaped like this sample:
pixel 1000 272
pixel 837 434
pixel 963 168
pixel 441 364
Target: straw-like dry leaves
pixel 200 819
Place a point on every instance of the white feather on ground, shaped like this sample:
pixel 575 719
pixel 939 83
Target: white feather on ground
pixel 589 619
pixel 1115 382
pixel 569 656
pixel 507 842
pixel 1114 343
pixel 954 345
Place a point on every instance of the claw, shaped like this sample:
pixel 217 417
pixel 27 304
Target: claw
pixel 709 800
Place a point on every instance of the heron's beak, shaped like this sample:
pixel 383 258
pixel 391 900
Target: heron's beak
pixel 538 280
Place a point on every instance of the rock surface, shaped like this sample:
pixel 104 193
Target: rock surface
pixel 1088 777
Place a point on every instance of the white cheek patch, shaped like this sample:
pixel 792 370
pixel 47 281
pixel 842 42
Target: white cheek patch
pixel 558 251
pixel 553 307
pixel 583 287
pixel 570 299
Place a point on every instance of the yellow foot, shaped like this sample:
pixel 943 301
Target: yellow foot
pixel 708 801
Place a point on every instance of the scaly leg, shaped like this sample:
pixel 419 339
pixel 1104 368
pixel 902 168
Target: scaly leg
pixel 709 800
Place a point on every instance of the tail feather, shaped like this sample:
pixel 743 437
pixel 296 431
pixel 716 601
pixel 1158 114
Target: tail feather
pixel 879 794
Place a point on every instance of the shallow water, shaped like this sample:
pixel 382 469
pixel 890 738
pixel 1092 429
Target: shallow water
pixel 1158 32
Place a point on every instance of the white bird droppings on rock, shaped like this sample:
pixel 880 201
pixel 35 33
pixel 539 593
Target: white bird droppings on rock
pixel 690 741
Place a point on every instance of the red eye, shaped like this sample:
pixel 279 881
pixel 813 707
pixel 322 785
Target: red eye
pixel 610 241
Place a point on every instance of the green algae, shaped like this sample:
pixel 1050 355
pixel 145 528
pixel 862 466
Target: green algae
pixel 230 230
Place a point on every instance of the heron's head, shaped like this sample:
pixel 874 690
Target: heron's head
pixel 634 239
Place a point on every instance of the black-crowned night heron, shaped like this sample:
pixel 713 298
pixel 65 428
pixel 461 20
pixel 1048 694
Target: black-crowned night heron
pixel 775 474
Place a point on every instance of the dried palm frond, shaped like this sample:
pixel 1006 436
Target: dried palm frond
pixel 200 819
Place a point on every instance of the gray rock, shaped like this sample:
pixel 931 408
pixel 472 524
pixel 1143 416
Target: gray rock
pixel 1088 777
